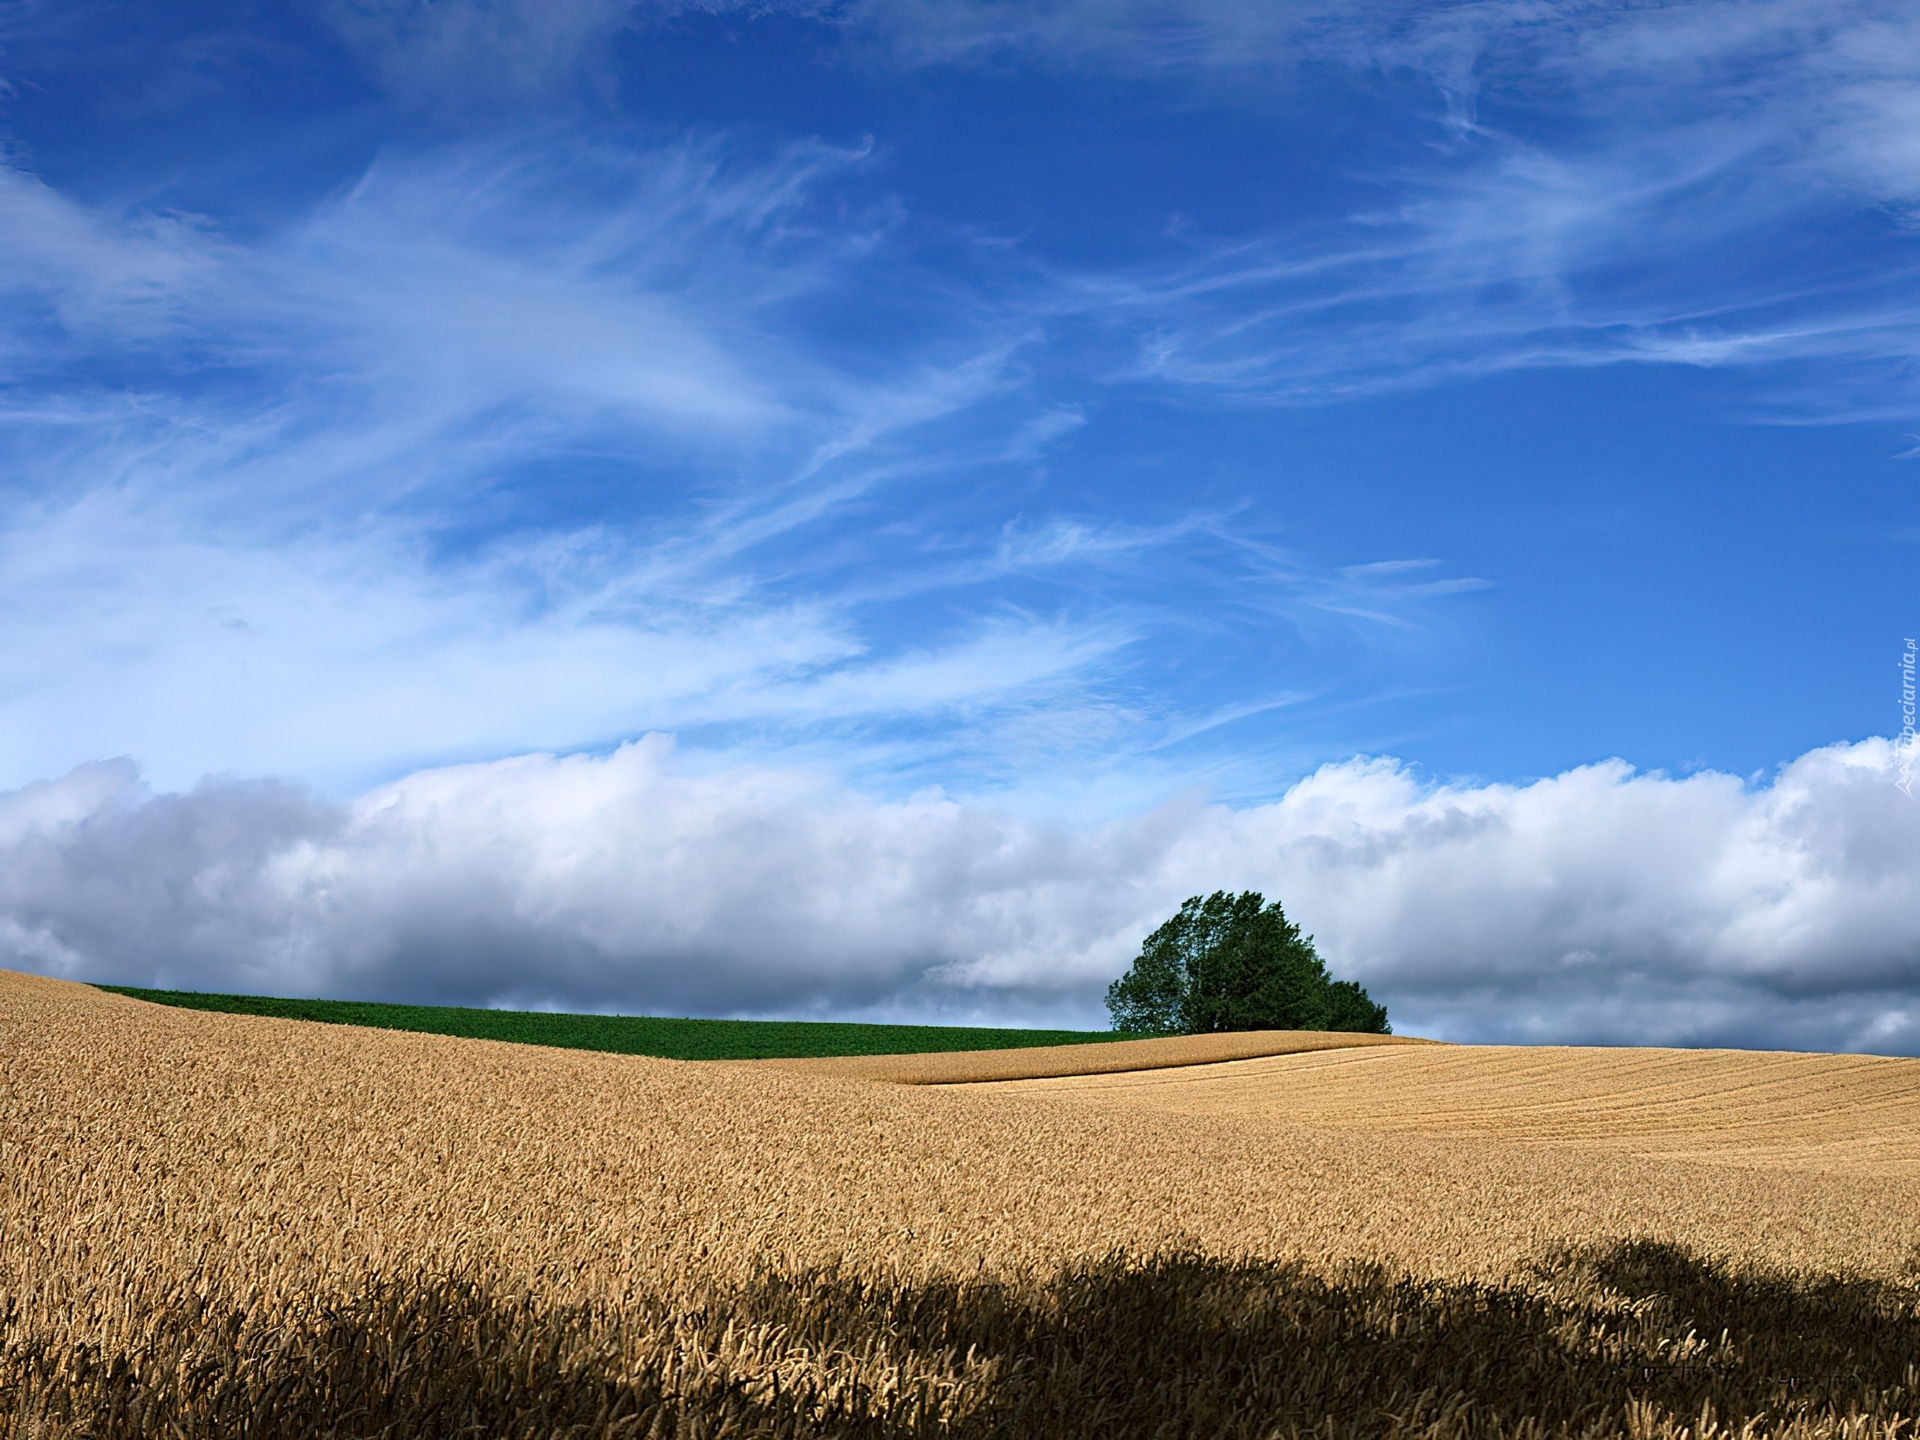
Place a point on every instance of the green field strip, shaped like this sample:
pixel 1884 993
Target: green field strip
pixel 666 1039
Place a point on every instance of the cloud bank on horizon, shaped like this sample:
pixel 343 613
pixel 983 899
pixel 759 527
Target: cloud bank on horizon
pixel 1598 906
pixel 1113 416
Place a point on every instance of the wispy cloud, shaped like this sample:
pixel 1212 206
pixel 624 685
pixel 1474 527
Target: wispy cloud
pixel 1140 37
pixel 1519 262
pixel 479 52
pixel 1597 186
pixel 530 445
pixel 337 506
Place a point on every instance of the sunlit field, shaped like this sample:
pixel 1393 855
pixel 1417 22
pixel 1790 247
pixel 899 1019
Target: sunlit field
pixel 219 1225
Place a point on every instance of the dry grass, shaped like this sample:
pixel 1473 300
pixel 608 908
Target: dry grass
pixel 971 1067
pixel 1854 1114
pixel 215 1225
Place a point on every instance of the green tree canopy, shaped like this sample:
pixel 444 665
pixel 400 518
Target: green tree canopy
pixel 1235 962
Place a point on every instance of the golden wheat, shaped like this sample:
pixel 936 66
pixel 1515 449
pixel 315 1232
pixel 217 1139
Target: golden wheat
pixel 1109 1057
pixel 1858 1114
pixel 215 1225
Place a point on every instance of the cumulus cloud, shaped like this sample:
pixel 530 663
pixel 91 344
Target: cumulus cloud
pixel 1598 905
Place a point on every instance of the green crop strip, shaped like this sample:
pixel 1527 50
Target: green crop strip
pixel 630 1034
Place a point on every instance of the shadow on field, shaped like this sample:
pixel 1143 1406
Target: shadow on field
pixel 1642 1339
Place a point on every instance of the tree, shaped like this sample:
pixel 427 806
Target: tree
pixel 1234 962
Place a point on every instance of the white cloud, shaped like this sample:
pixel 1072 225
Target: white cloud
pixel 455 310
pixel 475 51
pixel 290 544
pixel 480 52
pixel 520 446
pixel 1597 905
pixel 74 279
pixel 345 658
pixel 1130 36
pixel 1523 260
pixel 1826 80
pixel 298 549
pixel 1601 185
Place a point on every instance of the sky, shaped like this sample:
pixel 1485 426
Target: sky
pixel 855 510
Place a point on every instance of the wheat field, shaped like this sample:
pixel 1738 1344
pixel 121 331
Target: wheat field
pixel 1853 1114
pixel 1115 1057
pixel 217 1225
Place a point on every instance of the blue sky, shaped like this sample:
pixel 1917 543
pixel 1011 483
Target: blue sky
pixel 1063 410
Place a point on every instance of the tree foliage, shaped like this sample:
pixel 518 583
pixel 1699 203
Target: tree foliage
pixel 1235 962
